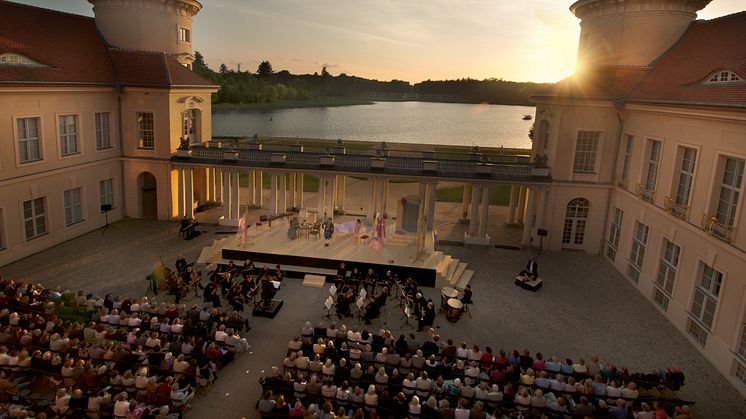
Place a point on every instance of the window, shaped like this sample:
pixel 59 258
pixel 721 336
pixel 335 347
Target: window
pixel 730 189
pixel 706 295
pixel 73 207
pixel 576 216
pixel 28 139
pixel 629 146
pixel 686 176
pixel 585 152
pixel 103 138
pixel 654 156
pixel 34 218
pixel 189 126
pixel 185 35
pixel 740 372
pixel 68 134
pixel 666 274
pixel 614 232
pixel 145 130
pixel 106 189
pixel 637 255
pixel 11 59
pixel 742 345
pixel 724 77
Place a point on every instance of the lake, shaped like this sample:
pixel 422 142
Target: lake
pixel 404 122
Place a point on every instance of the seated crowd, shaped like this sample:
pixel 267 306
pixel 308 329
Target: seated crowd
pixel 332 372
pixel 119 357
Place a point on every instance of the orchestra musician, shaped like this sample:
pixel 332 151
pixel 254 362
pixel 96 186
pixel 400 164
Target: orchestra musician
pixel 344 299
pixel 427 316
pixel 268 291
pixel 373 308
pixel 371 278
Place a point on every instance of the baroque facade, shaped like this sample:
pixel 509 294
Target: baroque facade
pixel 646 145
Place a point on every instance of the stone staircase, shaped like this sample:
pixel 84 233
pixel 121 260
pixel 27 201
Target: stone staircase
pixel 452 273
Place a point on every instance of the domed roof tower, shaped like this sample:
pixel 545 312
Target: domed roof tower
pixel 630 32
pixel 148 25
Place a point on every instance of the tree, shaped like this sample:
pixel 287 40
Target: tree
pixel 264 69
pixel 223 69
pixel 324 72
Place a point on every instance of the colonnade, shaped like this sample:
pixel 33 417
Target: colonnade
pixel 526 206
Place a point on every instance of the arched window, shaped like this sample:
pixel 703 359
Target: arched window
pixel 723 76
pixel 576 217
pixel 190 125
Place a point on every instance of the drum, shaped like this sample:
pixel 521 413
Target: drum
pixel 449 292
pixel 454 309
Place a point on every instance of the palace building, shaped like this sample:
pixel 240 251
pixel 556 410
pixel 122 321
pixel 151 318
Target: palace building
pixel 639 156
pixel 646 146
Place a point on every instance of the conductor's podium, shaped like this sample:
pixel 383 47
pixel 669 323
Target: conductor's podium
pixel 528 284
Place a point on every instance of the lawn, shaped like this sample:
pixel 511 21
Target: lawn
pixel 499 194
pixel 310 182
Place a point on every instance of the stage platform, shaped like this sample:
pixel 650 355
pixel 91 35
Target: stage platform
pixel 265 245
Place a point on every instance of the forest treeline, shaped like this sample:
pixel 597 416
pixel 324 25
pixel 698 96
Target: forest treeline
pixel 267 86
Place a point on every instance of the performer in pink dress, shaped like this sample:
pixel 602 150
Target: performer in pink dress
pixel 380 229
pixel 356 231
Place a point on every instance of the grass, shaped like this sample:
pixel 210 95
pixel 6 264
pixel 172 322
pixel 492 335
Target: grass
pixel 499 194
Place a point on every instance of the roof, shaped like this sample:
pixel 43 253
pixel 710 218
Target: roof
pixel 73 51
pixel 706 47
pixel 677 76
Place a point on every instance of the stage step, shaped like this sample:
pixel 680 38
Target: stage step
pixel 464 279
pixel 442 266
pixel 400 240
pixel 457 274
pixel 452 269
pixel 315 281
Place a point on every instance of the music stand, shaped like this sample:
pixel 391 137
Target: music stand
pixel 105 208
pixel 406 313
pixel 541 232
pixel 328 304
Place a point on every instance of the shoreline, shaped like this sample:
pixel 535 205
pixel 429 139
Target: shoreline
pixel 331 102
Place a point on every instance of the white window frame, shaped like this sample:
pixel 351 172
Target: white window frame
pixel 27 139
pixel 73 206
pixel 710 293
pixel 637 251
pixel 184 35
pixel 615 232
pixel 652 164
pixel 106 193
pixel 103 133
pixel 69 140
pixel 587 145
pixel 687 170
pixel 665 281
pixel 34 218
pixel 741 349
pixel 629 147
pixel 143 130
pixel 577 213
pixel 735 191
pixel 723 76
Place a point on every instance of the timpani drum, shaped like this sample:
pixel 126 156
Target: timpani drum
pixel 446 293
pixel 454 309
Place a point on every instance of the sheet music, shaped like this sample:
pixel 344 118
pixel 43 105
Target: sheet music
pixel 333 290
pixel 276 284
pixel 328 303
pixel 363 293
pixel 360 303
pixel 407 311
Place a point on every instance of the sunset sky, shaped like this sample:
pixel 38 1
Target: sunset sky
pixel 413 40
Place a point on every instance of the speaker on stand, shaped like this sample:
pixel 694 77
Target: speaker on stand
pixel 105 208
pixel 541 232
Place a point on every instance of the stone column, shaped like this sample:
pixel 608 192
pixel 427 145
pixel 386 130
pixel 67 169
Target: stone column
pixel 473 217
pixel 384 195
pixel 332 195
pixel 180 192
pixel 259 188
pixel 431 206
pixel 291 188
pixel 189 198
pixel 218 184
pixel 466 196
pixel 341 191
pixel 299 184
pixel 511 205
pixel 226 194
pixel 370 212
pixel 322 194
pixel 282 190
pixel 521 205
pixel 235 200
pixel 485 214
pixel 528 219
pixel 273 193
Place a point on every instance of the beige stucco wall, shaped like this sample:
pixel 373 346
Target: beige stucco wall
pixel 558 198
pixel 54 174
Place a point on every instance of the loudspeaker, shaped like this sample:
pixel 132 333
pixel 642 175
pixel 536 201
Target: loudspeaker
pixel 542 232
pixel 105 207
pixel 262 218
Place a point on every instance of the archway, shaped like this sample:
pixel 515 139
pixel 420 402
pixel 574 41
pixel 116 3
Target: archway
pixel 148 195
